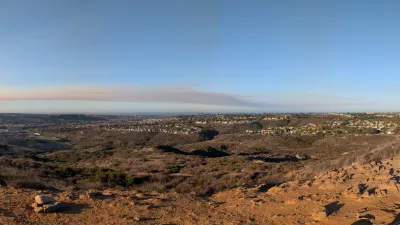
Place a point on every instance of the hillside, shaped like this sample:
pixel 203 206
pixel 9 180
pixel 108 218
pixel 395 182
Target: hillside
pixel 357 194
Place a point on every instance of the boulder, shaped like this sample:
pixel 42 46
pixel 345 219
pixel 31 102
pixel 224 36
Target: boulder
pixel 55 207
pixel 43 199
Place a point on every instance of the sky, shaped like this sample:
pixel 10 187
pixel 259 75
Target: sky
pixel 120 56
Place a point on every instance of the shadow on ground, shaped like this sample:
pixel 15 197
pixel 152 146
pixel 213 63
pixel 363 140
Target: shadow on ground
pixel 333 207
pixel 72 208
pixel 6 213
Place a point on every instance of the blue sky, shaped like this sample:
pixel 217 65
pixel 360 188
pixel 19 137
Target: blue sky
pixel 199 56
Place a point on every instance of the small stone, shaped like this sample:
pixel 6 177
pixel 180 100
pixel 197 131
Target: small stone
pixel 38 209
pixel 43 199
pixel 35 204
pixel 137 218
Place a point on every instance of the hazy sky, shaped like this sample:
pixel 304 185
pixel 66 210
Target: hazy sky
pixel 180 55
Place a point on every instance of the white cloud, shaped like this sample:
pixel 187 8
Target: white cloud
pixel 170 94
pixel 171 98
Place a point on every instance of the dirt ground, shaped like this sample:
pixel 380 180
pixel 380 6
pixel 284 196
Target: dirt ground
pixel 358 194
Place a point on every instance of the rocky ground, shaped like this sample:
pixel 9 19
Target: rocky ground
pixel 358 194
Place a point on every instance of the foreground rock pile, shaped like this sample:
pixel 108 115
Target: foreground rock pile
pixel 46 204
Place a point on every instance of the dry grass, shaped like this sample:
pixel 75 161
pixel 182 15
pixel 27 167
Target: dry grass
pixel 22 178
pixel 112 159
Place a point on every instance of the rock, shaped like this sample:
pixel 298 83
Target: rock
pixel 362 222
pixel 47 204
pixel 369 217
pixel 43 199
pixel 55 207
pixel 38 209
pixel 319 214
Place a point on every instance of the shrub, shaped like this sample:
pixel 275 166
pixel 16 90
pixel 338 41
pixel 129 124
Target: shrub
pixel 64 171
pixel 36 185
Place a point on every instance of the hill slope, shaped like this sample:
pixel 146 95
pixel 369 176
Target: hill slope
pixel 358 194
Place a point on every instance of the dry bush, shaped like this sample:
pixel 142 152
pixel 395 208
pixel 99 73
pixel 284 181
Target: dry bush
pixel 14 173
pixel 21 178
pixel 86 184
pixel 18 174
pixel 202 186
pixel 161 183
pixel 36 185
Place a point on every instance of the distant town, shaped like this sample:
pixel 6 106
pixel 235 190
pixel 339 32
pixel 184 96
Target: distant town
pixel 263 124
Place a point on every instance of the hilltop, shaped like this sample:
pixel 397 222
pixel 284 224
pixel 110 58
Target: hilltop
pixel 358 194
